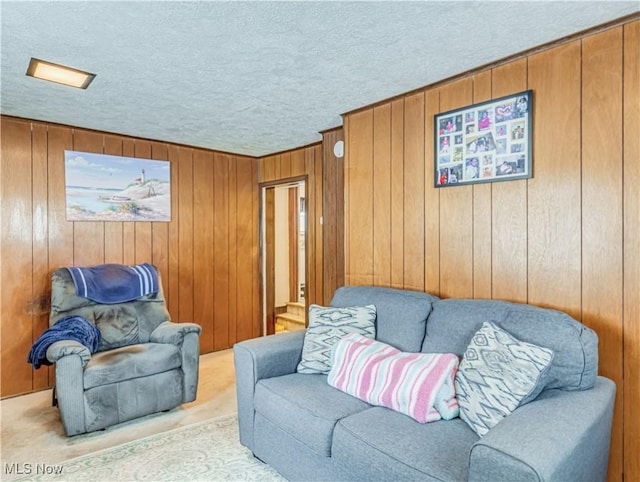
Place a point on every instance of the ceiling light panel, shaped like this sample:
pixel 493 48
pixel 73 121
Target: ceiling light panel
pixel 60 74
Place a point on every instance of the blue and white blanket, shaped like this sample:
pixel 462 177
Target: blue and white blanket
pixel 68 328
pixel 114 283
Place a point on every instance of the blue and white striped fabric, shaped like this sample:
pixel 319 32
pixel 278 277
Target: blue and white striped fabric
pixel 114 283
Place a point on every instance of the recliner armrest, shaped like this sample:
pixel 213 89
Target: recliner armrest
pixel 174 333
pixel 64 348
pixel 562 435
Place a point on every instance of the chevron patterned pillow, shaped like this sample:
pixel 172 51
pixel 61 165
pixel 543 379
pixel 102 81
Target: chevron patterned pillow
pixel 326 327
pixel 496 373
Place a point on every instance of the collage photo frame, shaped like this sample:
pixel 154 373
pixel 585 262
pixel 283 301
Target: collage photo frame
pixel 485 142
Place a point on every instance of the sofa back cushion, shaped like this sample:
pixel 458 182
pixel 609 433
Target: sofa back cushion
pixel 401 315
pixel 453 322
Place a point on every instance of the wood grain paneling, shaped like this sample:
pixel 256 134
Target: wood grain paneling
pixel 203 209
pixel 397 193
pixel 359 199
pixel 221 250
pixel 413 201
pixel 172 285
pixel 39 305
pixel 382 195
pixel 232 253
pixel 431 199
pixel 482 209
pixel 602 249
pixel 246 250
pixel 456 214
pixel 297 160
pixel 185 238
pixel 285 165
pixel 37 238
pixel 509 207
pixel 631 246
pixel 257 328
pixel 565 239
pixel 333 215
pixel 16 270
pixel 553 203
pixel 315 276
pixel 269 261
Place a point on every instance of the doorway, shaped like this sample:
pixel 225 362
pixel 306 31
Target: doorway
pixel 284 256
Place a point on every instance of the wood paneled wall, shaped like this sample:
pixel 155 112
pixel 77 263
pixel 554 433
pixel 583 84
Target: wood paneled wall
pixel 207 255
pixel 333 213
pixel 304 161
pixel 565 239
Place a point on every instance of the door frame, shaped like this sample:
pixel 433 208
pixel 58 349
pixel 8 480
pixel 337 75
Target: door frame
pixel 267 272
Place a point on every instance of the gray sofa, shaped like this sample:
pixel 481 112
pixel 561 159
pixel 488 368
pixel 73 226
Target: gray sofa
pixel 307 430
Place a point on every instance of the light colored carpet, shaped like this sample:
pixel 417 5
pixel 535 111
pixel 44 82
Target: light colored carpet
pixel 204 451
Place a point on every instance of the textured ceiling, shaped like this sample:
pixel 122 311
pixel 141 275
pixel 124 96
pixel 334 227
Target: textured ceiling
pixel 258 77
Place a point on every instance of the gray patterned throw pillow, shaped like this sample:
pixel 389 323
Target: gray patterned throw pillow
pixel 496 374
pixel 326 327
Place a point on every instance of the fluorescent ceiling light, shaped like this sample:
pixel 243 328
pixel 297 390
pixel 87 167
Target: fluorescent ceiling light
pixel 60 74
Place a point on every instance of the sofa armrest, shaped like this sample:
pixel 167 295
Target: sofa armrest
pixel 174 333
pixel 64 348
pixel 562 435
pixel 257 359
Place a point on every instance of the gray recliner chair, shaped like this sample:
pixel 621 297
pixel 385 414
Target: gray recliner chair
pixel 144 362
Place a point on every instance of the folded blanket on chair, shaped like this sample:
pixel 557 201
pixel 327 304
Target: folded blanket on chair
pixel 114 283
pixel 68 328
pixel 420 385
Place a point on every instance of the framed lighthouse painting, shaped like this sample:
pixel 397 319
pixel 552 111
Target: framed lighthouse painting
pixel 101 187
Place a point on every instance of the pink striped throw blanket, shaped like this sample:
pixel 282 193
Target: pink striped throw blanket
pixel 420 385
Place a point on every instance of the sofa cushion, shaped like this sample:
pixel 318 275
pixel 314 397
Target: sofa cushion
pixel 401 314
pixel 453 322
pixel 326 327
pixel 419 385
pixel 305 407
pixel 380 444
pixel 130 362
pixel 497 373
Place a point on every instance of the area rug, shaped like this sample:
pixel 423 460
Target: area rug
pixel 205 451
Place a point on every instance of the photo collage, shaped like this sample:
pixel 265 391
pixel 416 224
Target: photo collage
pixel 484 142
